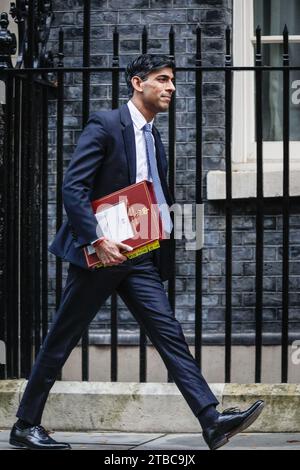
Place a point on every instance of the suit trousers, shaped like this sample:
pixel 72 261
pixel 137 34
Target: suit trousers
pixel 138 283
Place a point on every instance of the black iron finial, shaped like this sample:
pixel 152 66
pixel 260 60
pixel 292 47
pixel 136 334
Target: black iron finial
pixel 144 40
pixel 258 55
pixel 116 42
pixel 172 43
pixel 228 57
pixel 60 47
pixel 285 45
pixel 198 45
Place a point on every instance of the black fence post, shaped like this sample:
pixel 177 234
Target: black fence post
pixel 228 205
pixel 85 115
pixel 11 247
pixel 143 338
pixel 28 246
pixel 172 173
pixel 259 209
pixel 25 307
pixel 172 162
pixel 285 207
pixel 114 297
pixel 199 199
pixel 44 227
pixel 16 231
pixel 59 160
pixel 3 237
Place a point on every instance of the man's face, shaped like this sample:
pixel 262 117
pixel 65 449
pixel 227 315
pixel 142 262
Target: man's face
pixel 156 91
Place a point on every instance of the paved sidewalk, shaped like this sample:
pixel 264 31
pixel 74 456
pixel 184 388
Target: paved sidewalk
pixel 171 442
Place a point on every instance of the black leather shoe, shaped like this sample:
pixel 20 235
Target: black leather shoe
pixel 229 423
pixel 35 438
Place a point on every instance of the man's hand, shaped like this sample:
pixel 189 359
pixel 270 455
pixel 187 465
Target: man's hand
pixel 109 252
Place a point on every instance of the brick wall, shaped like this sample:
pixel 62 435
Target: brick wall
pixel 213 15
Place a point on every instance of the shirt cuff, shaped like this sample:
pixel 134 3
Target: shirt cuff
pixel 98 241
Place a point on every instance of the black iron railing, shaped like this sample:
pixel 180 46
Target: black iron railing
pixel 39 75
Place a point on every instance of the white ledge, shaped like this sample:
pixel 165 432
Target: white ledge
pixel 244 181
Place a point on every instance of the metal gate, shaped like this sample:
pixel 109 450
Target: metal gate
pixel 39 76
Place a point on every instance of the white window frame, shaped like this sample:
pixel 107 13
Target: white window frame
pixel 243 85
pixel 243 131
pixel 244 144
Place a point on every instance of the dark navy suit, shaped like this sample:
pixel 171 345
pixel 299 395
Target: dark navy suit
pixel 103 162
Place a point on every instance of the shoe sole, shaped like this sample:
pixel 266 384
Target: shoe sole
pixel 242 427
pixel 24 446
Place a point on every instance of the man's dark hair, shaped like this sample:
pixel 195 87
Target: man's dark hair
pixel 145 64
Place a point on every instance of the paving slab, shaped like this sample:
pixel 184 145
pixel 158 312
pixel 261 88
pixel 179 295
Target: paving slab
pixel 171 442
pixel 245 441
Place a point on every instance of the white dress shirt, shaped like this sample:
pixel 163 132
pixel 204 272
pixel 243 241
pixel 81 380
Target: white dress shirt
pixel 141 156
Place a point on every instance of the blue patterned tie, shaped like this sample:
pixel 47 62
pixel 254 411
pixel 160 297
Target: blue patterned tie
pixel 160 197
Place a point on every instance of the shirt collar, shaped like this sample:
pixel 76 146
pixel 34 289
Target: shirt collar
pixel 138 119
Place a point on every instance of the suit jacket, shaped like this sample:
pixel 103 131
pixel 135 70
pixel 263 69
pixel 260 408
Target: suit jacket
pixel 104 161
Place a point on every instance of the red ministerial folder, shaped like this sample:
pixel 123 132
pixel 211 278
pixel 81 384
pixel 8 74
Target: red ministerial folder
pixel 130 216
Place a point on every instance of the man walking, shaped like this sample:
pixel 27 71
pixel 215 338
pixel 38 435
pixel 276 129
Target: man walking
pixel 116 149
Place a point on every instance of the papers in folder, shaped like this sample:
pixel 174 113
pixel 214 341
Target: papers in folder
pixel 114 224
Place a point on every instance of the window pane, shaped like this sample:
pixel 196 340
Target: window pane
pixel 272 15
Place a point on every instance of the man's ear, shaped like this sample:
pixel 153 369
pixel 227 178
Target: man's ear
pixel 137 83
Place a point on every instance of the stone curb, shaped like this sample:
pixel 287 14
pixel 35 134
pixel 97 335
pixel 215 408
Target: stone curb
pixel 149 407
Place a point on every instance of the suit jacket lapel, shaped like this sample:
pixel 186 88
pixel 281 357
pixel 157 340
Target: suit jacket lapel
pixel 158 148
pixel 129 141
